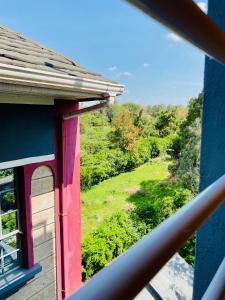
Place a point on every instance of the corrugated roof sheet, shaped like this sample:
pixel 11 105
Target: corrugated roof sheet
pixel 19 51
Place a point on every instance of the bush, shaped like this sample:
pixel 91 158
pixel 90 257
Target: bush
pixel 118 161
pixel 154 211
pixel 187 172
pixel 159 202
pixel 144 150
pixel 155 152
pixel 156 202
pixel 181 197
pixel 85 178
pixel 188 251
pixel 9 222
pixel 6 172
pixel 186 148
pixel 160 146
pixel 109 240
pixel 95 170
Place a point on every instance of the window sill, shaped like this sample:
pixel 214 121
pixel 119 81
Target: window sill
pixel 12 281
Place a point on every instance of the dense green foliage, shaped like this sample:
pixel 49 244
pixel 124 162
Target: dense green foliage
pixel 157 201
pixel 6 172
pixel 108 241
pixel 188 251
pixel 7 201
pixel 113 194
pixel 124 137
pixel 186 159
pixel 126 208
pixel 9 222
pixel 132 213
pixel 186 147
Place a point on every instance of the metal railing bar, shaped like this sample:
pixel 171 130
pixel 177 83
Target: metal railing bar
pixel 189 21
pixel 9 212
pixel 7 191
pixel 216 289
pixel 153 292
pixel 10 253
pixel 129 273
pixel 8 235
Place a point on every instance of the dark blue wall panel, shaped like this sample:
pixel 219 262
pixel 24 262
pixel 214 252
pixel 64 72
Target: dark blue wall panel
pixel 210 248
pixel 26 131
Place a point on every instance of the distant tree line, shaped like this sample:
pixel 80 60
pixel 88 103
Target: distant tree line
pixel 124 137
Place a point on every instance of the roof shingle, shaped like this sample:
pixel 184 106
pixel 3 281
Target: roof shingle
pixel 19 51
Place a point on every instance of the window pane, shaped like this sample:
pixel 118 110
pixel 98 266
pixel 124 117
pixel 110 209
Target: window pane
pixel 7 192
pixel 6 172
pixel 6 179
pixel 9 222
pixel 9 254
pixel 9 262
pixel 7 201
pixel 10 242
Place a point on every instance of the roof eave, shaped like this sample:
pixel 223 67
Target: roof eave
pixel 55 84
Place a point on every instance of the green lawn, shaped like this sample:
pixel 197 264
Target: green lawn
pixel 112 195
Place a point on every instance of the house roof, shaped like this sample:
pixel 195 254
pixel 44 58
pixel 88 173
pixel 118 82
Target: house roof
pixel 22 54
pixel 17 50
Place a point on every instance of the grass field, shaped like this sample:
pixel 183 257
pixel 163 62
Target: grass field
pixel 112 195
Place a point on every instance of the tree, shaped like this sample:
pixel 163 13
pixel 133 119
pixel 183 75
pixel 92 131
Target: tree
pixel 136 111
pixel 187 172
pixel 166 122
pixel 125 134
pixel 186 147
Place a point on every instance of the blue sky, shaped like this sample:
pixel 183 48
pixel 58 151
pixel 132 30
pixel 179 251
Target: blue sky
pixel 116 40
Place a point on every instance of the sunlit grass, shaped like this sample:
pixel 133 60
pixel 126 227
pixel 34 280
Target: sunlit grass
pixel 112 195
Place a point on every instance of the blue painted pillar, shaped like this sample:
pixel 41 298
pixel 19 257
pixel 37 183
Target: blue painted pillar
pixel 210 248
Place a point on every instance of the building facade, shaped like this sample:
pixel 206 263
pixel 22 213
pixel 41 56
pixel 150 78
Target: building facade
pixel 40 220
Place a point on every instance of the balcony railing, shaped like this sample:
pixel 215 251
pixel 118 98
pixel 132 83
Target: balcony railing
pixel 128 275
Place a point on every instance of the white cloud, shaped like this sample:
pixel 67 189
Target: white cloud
pixel 126 73
pixel 146 65
pixel 113 68
pixel 203 7
pixel 174 37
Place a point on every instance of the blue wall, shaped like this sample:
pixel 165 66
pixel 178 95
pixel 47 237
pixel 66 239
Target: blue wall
pixel 210 248
pixel 26 131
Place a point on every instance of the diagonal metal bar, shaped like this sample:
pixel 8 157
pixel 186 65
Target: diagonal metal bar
pixel 189 21
pixel 216 289
pixel 124 278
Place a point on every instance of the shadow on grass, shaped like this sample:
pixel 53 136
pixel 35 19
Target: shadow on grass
pixel 151 190
pixel 155 201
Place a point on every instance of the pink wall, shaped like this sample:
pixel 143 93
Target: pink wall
pixel 69 192
pixel 66 170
